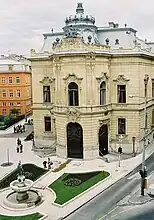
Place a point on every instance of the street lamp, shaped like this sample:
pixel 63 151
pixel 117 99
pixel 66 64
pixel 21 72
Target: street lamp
pixel 143 172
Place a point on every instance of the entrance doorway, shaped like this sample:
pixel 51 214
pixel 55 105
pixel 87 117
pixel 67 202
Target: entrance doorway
pixel 74 140
pixel 103 140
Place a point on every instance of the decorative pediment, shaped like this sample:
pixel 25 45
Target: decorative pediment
pixel 121 79
pixel 73 114
pixel 102 77
pixel 72 77
pixel 47 80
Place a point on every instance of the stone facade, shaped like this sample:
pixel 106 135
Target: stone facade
pixel 88 66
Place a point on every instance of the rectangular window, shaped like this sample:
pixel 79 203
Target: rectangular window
pixel 11 104
pixel 18 93
pixel 19 111
pixel 3 103
pixel 3 80
pixel 47 123
pixel 17 79
pixel 46 94
pixel 3 112
pixel 152 88
pixel 18 103
pixel 121 126
pixel 121 93
pixel 11 93
pixel 10 80
pixel 3 93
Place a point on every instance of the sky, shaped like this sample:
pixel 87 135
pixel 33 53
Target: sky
pixel 22 22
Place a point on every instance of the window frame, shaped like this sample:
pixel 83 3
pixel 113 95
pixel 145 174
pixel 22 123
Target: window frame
pixel 123 124
pixel 18 93
pixel 4 111
pixel 102 93
pixel 3 80
pixel 17 78
pixel 46 94
pixel 3 92
pixel 47 123
pixel 11 94
pixel 10 82
pixel 121 94
pixel 73 94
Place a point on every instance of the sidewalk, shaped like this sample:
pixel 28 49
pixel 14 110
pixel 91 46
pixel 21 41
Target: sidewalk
pixel 47 207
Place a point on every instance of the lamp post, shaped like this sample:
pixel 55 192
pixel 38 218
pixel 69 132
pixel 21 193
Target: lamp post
pixel 146 78
pixel 143 171
pixel 133 140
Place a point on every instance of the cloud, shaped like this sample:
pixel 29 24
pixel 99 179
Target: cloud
pixel 22 23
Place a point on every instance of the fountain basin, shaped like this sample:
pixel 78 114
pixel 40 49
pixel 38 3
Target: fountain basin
pixel 21 187
pixel 33 199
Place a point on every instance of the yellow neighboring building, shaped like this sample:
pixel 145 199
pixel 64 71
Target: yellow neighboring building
pixel 89 87
pixel 15 85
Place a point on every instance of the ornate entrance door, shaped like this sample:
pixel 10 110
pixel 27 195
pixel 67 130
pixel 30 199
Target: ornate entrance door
pixel 103 140
pixel 74 140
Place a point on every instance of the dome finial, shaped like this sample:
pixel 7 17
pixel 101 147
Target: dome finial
pixel 79 9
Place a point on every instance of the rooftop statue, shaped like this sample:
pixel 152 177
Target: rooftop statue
pixel 71 33
pixel 20 169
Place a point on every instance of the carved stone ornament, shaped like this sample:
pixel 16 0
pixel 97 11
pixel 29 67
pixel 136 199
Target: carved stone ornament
pixel 71 77
pixel 121 79
pixel 46 80
pixel 104 122
pixel 103 77
pixel 73 114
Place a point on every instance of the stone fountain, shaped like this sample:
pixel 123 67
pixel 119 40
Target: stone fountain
pixel 22 195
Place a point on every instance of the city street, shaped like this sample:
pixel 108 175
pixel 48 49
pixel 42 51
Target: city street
pixel 106 205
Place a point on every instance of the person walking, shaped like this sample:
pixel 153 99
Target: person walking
pixel 45 164
pixel 21 148
pixel 17 148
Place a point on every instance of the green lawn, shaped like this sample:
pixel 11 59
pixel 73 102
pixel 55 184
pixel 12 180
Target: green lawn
pixel 35 216
pixel 81 181
pixel 31 171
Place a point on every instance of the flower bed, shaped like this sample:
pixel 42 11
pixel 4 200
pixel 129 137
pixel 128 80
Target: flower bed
pixel 70 185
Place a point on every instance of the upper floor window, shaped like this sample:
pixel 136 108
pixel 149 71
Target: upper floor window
pixel 17 79
pixel 10 80
pixel 3 93
pixel 10 93
pixel 46 94
pixel 102 93
pixel 18 93
pixel 73 94
pixel 47 123
pixel 121 93
pixel 121 126
pixel 3 103
pixel 3 80
pixel 3 112
pixel 152 88
pixel 11 104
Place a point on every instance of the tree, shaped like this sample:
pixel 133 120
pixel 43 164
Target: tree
pixel 14 112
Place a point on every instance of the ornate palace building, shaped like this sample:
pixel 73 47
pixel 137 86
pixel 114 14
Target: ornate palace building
pixel 89 85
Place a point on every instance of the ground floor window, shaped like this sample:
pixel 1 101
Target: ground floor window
pixel 47 123
pixel 121 126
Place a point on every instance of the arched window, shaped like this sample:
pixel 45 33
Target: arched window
pixel 103 93
pixel 73 96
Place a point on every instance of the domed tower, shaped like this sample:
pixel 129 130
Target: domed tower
pixel 81 24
